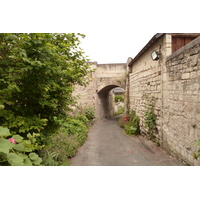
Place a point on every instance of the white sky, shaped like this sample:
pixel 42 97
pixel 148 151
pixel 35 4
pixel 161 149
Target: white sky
pixel 112 47
pixel 114 29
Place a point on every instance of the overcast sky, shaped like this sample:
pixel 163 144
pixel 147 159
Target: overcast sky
pixel 114 47
pixel 114 29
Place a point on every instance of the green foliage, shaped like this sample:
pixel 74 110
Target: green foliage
pixel 132 127
pixel 64 146
pixel 74 126
pixel 65 143
pixel 89 113
pixel 17 151
pixel 82 118
pixel 150 117
pixel 196 154
pixel 37 76
pixel 4 132
pixel 50 158
pixel 120 110
pixel 38 72
pixel 122 122
pixel 119 98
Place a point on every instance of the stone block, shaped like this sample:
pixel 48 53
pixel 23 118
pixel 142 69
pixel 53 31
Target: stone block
pixel 194 60
pixel 185 76
pixel 181 56
pixel 193 74
pixel 184 60
pixel 194 51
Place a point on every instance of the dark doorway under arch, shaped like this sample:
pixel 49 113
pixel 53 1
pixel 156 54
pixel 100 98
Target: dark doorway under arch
pixel 106 102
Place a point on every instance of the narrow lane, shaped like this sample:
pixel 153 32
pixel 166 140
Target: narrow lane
pixel 106 145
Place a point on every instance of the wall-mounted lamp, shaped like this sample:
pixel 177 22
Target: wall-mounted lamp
pixel 155 55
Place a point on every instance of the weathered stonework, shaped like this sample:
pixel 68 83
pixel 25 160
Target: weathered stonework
pixel 86 95
pixel 97 94
pixel 173 84
pixel 181 102
pixel 145 82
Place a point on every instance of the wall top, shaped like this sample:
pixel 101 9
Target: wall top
pixel 185 48
pixel 158 36
pixel 147 46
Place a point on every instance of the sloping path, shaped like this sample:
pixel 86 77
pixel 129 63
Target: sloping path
pixel 106 145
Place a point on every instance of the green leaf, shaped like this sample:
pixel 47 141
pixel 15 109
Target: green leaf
pixel 28 149
pixel 29 136
pixel 197 143
pixel 37 162
pixel 1 106
pixel 23 156
pixel 4 132
pixel 28 146
pixel 5 146
pixel 14 159
pixel 17 138
pixel 19 147
pixel 27 162
pixel 33 156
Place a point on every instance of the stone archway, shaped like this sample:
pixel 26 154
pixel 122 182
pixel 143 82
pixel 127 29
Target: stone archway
pixel 106 106
pixel 97 93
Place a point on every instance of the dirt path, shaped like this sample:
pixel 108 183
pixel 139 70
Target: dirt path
pixel 108 146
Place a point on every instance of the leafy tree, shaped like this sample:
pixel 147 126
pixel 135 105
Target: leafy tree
pixel 38 72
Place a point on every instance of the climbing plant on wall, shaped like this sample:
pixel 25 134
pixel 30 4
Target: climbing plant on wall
pixel 149 116
pixel 196 154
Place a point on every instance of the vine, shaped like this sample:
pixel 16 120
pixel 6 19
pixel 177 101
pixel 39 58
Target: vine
pixel 150 118
pixel 196 154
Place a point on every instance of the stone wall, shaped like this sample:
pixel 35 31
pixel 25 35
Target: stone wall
pixel 181 102
pixel 97 94
pixel 86 95
pixel 173 85
pixel 145 82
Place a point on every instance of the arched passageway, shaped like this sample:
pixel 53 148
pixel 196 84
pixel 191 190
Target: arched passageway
pixel 106 103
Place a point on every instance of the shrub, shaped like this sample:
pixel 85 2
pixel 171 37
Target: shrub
pixel 89 113
pixel 65 143
pixel 132 127
pixel 38 72
pixel 122 121
pixel 82 118
pixel 120 111
pixel 50 158
pixel 73 126
pixel 17 151
pixel 119 98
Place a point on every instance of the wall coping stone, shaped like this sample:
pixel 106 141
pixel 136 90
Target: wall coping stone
pixel 184 48
pixel 111 64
